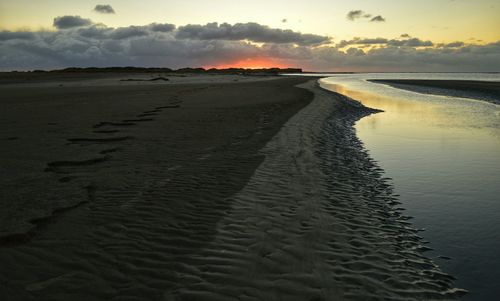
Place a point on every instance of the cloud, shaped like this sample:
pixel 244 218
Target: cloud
pixel 355 52
pixel 378 18
pixel 471 58
pixel 370 41
pixel 452 44
pixel 163 45
pixel 412 42
pixel 127 32
pixel 99 31
pixel 66 22
pixel 95 32
pixel 165 27
pixel 360 41
pixel 354 15
pixel 16 35
pixel 104 9
pixel 248 31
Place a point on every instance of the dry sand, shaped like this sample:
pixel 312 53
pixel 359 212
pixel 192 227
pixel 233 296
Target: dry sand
pixel 55 79
pixel 199 191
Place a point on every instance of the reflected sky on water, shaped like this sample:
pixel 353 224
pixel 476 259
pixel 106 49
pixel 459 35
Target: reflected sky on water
pixel 443 154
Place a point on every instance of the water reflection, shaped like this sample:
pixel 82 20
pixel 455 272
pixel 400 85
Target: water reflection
pixel 395 108
pixel 444 156
pixel 409 107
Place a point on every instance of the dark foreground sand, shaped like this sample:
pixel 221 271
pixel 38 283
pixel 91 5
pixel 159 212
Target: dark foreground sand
pixel 161 158
pixel 59 142
pixel 489 91
pixel 201 191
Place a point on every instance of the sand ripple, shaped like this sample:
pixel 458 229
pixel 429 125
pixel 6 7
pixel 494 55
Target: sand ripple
pixel 317 221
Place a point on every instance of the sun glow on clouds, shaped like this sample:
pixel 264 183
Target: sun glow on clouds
pixel 84 42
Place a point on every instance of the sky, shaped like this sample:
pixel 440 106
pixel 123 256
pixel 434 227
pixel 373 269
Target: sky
pixel 316 35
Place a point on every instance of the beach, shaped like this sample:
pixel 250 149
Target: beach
pixel 205 187
pixel 60 137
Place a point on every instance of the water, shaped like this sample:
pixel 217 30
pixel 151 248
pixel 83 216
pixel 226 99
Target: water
pixel 443 154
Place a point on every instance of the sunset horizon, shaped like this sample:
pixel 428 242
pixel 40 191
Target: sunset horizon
pixel 263 150
pixel 358 37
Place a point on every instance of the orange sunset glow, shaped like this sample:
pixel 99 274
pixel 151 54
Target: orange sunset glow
pixel 250 63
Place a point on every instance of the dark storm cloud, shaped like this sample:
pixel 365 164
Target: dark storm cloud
pixel 120 33
pixel 104 9
pixel 16 35
pixel 247 31
pixel 378 18
pixel 192 50
pixel 164 46
pixel 165 27
pixel 95 32
pixel 66 22
pixel 127 32
pixel 392 58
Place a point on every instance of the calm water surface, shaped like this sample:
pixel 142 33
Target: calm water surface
pixel 443 154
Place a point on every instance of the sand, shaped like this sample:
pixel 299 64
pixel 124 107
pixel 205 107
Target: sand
pixel 209 190
pixel 28 79
pixel 483 90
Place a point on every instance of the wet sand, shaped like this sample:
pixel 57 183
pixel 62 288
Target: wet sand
pixel 199 191
pixel 484 90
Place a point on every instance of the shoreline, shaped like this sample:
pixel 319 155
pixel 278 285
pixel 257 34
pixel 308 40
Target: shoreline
pixel 435 148
pixel 317 221
pixel 268 198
